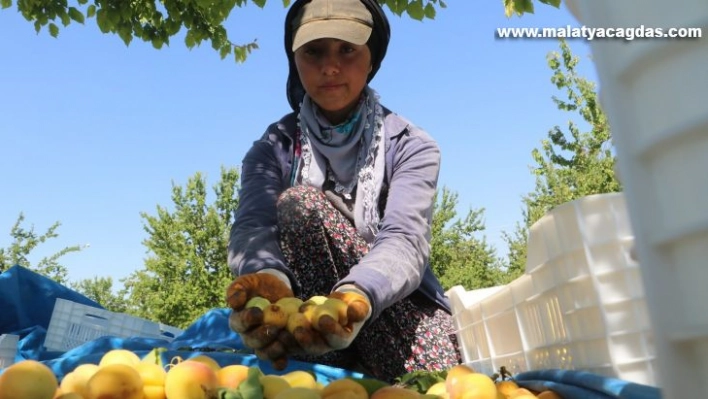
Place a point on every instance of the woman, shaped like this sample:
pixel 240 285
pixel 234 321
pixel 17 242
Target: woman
pixel 337 197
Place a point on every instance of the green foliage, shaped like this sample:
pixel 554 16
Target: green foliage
pixel 520 7
pixel 568 166
pixel 100 289
pixel 25 241
pixel 457 256
pixel 156 22
pixel 186 273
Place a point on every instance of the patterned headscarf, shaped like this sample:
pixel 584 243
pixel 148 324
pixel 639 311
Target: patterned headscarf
pixel 350 154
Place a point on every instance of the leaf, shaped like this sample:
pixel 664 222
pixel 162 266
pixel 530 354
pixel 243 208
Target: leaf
pixel 442 4
pixel 76 15
pixel 5 3
pixel 554 3
pixel 415 10
pixel 239 54
pixel 189 39
pixel 508 8
pixel 251 387
pixel 53 29
pixel 37 26
pixel 65 20
pixel 286 3
pixel 91 11
pixel 259 3
pixel 430 11
pixel 224 51
pixel 102 20
pixel 126 35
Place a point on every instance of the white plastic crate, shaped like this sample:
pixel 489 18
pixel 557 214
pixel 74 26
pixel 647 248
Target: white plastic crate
pixel 579 306
pixel 660 131
pixel 73 324
pixel 8 349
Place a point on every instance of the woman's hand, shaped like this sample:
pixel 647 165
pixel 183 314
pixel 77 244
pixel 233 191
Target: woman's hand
pixel 332 324
pixel 249 286
pixel 255 317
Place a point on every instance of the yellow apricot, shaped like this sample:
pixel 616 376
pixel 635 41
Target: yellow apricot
pixel 394 392
pixel 300 378
pixel 119 356
pixel 28 379
pixel 521 393
pixel 76 380
pixel 190 380
pixel 298 393
pixel 454 373
pixel 338 389
pixel 548 395
pixel 506 387
pixel 474 386
pixel 438 389
pixel 115 381
pixel 70 395
pixel 153 376
pixel 273 385
pixel 208 360
pixel 232 375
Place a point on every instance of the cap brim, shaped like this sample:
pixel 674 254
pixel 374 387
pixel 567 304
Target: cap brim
pixel 347 30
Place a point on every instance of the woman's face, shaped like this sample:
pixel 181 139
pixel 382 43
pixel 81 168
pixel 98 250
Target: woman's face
pixel 333 72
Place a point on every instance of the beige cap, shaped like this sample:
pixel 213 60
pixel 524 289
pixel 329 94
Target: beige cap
pixel 347 20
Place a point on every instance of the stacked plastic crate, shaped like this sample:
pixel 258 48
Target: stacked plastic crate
pixel 580 304
pixel 73 324
pixel 8 349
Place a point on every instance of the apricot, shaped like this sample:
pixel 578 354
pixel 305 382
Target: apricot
pixel 298 393
pixel 394 392
pixel 232 375
pixel 70 395
pixel 454 373
pixel 272 385
pixel 300 379
pixel 153 376
pixel 344 388
pixel 76 380
pixel 474 386
pixel 115 381
pixel 548 395
pixel 506 387
pixel 190 380
pixel 521 393
pixel 438 389
pixel 28 379
pixel 119 356
pixel 209 361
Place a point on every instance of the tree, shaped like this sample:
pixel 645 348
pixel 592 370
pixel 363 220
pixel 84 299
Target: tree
pixel 568 166
pixel 25 241
pixel 186 273
pixel 157 22
pixel 100 289
pixel 458 257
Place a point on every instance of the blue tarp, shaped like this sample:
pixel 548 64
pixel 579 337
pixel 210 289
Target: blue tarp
pixel 27 301
pixel 26 305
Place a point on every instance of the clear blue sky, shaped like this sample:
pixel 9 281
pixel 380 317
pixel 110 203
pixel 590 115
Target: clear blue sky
pixel 93 132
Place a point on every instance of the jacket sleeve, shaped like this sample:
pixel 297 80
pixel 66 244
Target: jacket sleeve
pixel 253 243
pixel 396 263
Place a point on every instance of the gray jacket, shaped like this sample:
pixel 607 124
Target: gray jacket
pixel 397 263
